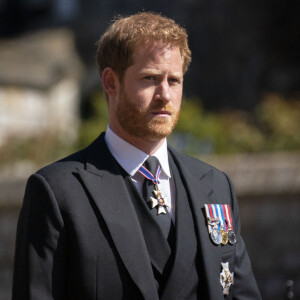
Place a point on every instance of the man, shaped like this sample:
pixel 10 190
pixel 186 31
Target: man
pixel 128 217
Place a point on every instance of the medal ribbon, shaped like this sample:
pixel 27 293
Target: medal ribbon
pixel 209 217
pixel 215 213
pixel 228 216
pixel 221 215
pixel 146 173
pixel 207 211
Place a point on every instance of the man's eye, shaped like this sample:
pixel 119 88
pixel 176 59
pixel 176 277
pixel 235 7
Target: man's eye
pixel 174 80
pixel 149 77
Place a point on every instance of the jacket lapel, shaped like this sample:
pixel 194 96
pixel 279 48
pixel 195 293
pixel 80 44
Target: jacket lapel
pixel 105 184
pixel 199 189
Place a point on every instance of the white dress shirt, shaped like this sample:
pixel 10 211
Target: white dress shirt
pixel 131 159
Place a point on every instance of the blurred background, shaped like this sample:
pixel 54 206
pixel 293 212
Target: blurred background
pixel 241 109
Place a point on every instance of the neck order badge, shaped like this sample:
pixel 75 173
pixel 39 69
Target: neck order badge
pixel 158 201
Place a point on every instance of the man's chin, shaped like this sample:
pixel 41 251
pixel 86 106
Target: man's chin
pixel 159 132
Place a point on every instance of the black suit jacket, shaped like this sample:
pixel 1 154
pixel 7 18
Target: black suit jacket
pixel 79 237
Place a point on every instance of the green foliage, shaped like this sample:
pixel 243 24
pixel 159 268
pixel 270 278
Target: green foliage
pixel 39 149
pixel 280 122
pixel 93 126
pixel 274 126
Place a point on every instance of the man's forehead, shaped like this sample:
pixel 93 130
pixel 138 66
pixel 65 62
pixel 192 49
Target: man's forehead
pixel 149 46
pixel 151 49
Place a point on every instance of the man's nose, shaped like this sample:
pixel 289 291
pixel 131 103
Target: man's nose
pixel 163 91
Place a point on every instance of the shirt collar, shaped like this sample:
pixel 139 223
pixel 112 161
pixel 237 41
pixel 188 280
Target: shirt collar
pixel 131 158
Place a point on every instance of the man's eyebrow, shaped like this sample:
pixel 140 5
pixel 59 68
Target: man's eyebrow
pixel 156 72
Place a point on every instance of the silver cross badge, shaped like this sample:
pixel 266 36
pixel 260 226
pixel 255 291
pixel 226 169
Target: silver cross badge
pixel 226 278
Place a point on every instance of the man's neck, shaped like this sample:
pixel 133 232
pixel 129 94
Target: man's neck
pixel 147 145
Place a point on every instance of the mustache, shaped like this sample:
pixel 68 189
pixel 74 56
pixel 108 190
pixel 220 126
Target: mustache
pixel 158 106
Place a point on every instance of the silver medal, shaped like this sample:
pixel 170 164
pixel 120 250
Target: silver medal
pixel 231 237
pixel 216 236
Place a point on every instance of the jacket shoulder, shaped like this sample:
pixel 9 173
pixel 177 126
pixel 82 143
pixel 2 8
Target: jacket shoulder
pixel 193 164
pixel 64 167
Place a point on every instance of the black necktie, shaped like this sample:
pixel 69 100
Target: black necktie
pixel 164 220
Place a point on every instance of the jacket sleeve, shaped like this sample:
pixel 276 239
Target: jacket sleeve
pixel 245 287
pixel 39 266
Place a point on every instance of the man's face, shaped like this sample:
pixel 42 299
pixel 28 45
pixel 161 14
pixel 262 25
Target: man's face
pixel 149 98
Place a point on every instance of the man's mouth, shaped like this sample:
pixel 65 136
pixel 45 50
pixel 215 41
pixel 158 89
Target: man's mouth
pixel 162 113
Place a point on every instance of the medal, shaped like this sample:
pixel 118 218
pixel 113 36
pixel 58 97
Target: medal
pixel 216 236
pixel 219 223
pixel 231 237
pixel 214 232
pixel 223 224
pixel 231 234
pixel 224 237
pixel 212 225
pixel 209 218
pixel 226 278
pixel 158 201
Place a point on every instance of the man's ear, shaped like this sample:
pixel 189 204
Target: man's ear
pixel 110 81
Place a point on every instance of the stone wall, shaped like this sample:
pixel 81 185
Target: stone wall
pixel 39 85
pixel 12 187
pixel 269 196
